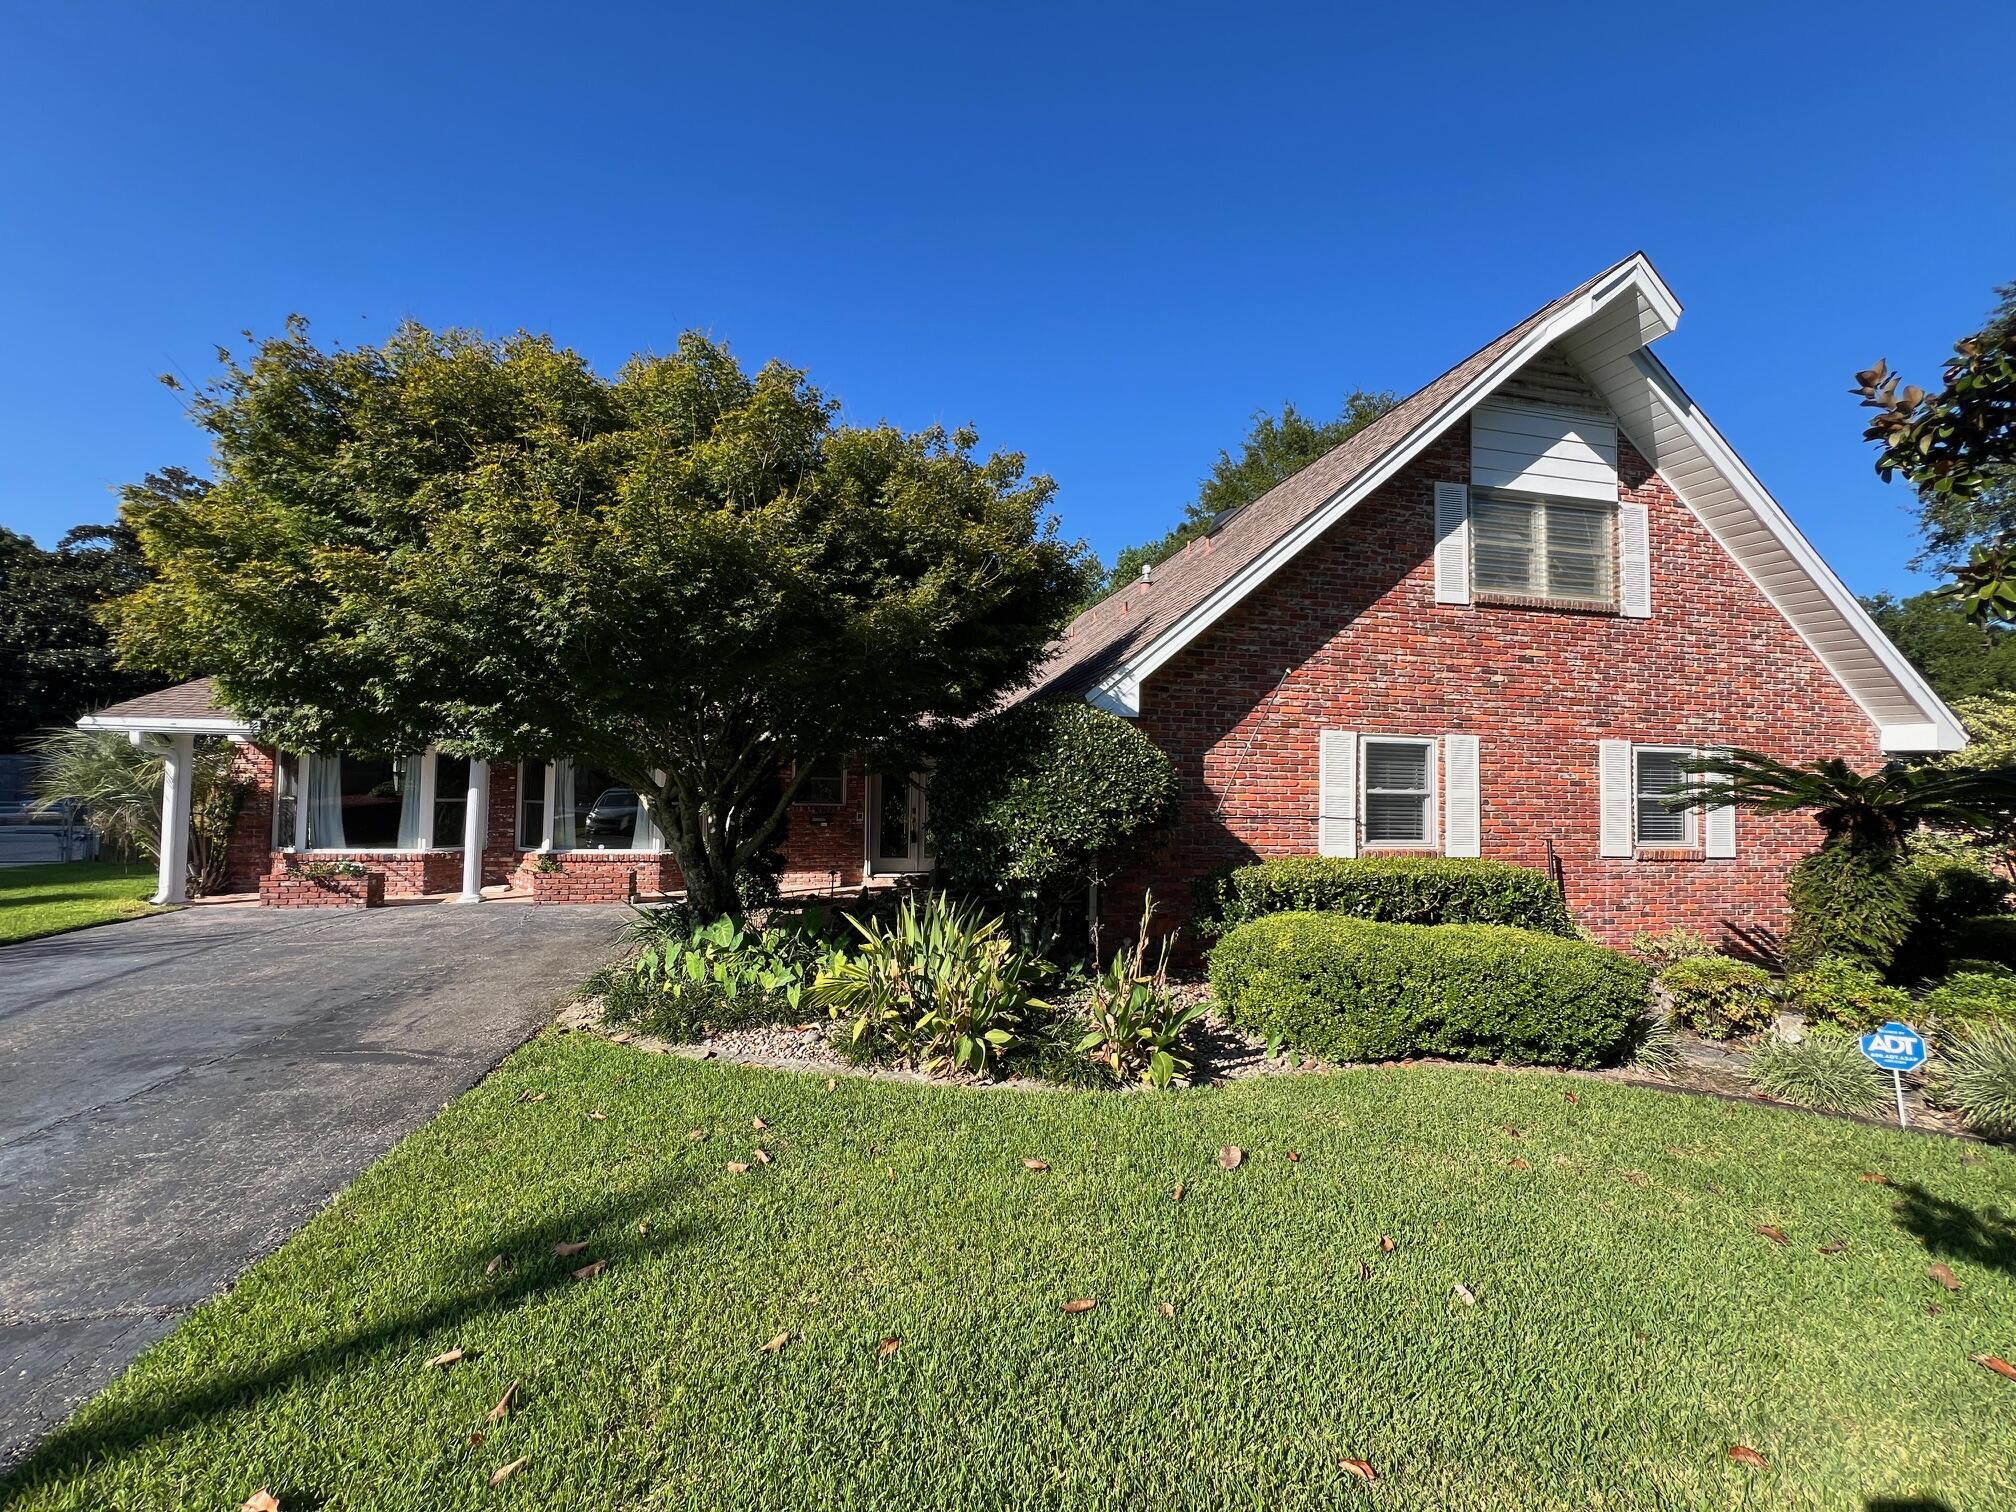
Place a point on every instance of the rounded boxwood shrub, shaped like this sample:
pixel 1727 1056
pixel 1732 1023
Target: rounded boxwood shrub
pixel 1842 994
pixel 1719 997
pixel 1389 889
pixel 1973 997
pixel 1354 990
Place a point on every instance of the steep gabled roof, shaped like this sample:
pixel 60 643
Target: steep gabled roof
pixel 1604 325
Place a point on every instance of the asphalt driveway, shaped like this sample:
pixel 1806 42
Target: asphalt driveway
pixel 178 1094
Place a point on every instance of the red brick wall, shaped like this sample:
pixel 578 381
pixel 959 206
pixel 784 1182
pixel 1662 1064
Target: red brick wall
pixel 1354 621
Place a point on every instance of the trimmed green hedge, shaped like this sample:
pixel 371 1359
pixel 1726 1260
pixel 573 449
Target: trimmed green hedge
pixel 1352 990
pixel 1391 889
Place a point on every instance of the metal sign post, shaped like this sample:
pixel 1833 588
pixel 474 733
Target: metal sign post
pixel 1897 1048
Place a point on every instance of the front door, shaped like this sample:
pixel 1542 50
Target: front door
pixel 896 815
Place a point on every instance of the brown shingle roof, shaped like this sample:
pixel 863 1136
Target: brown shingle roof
pixel 189 700
pixel 1103 637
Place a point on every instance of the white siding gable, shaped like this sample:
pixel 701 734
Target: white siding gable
pixel 1561 453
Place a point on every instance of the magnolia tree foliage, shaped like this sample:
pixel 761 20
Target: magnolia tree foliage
pixel 692 576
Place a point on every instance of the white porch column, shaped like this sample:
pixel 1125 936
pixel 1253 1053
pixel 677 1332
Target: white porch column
pixel 475 830
pixel 178 782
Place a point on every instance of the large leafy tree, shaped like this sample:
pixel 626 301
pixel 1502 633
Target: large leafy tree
pixel 1957 447
pixel 56 658
pixel 1959 656
pixel 1275 449
pixel 691 576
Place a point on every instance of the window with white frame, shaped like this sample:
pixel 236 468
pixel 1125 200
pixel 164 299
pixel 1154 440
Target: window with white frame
pixel 1527 547
pixel 1658 773
pixel 571 806
pixel 369 803
pixel 1397 775
pixel 825 785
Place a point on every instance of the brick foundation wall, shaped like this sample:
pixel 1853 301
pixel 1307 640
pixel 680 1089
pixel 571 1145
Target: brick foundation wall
pixel 286 887
pixel 1354 621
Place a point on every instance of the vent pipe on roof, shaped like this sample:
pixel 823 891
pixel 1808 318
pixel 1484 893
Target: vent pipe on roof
pixel 1147 571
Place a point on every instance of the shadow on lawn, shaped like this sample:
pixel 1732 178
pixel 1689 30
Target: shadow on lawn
pixel 1949 1230
pixel 531 1270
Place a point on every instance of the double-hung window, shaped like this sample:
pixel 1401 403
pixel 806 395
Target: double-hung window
pixel 825 784
pixel 1525 547
pixel 1658 772
pixel 1399 779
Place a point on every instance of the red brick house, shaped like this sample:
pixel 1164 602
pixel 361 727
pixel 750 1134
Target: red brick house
pixel 1488 624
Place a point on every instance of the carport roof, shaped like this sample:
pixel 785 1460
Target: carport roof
pixel 189 707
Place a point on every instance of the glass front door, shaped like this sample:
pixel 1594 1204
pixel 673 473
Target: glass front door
pixel 896 814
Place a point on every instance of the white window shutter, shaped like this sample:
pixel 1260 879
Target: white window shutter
pixel 1718 839
pixel 1462 826
pixel 1337 793
pixel 1452 543
pixel 1613 781
pixel 1634 561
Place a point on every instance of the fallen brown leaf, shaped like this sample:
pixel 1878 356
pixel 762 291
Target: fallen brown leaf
pixel 1083 1304
pixel 1572 1096
pixel 1294 1154
pixel 1360 1468
pixel 591 1270
pixel 762 1156
pixel 1467 1296
pixel 758 1125
pixel 736 1168
pixel 1518 1164
pixel 569 1247
pixel 1230 1156
pixel 524 1097
pixel 1177 1195
pixel 1933 1309
pixel 887 1347
pixel 1031 1163
pixel 1874 1178
pixel 1941 1272
pixel 1638 1178
pixel 1743 1454
pixel 446 1358
pixel 504 1472
pixel 777 1343
pixel 1838 1247
pixel 1774 1234
pixel 1512 1131
pixel 643 1226
pixel 1386 1244
pixel 831 1084
pixel 260 1501
pixel 496 1264
pixel 599 1117
pixel 475 1439
pixel 1167 1309
pixel 694 1136
pixel 1995 1363
pixel 504 1405
pixel 1364 1270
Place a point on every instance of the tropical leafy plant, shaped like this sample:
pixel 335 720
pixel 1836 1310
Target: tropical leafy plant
pixel 1825 1071
pixel 728 962
pixel 117 787
pixel 1137 1028
pixel 939 986
pixel 1855 896
pixel 1978 1077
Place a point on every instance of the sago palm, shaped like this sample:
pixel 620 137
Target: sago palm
pixel 117 786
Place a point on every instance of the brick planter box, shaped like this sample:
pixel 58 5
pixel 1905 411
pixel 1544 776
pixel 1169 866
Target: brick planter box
pixel 294 889
pixel 587 878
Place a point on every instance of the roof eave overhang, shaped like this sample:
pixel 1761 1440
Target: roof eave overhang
pixel 141 724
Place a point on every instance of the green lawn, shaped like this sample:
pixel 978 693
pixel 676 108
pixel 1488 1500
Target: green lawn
pixel 46 900
pixel 1629 1325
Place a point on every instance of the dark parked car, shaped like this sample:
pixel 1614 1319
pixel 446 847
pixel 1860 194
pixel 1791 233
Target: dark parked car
pixel 612 816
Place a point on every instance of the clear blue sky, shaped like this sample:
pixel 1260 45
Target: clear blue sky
pixel 1105 236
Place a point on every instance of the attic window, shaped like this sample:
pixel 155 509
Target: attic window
pixel 1557 549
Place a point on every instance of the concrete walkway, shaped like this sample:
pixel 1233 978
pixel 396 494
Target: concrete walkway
pixel 178 1094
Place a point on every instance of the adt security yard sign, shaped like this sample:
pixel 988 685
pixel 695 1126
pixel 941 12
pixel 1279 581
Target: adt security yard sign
pixel 1897 1048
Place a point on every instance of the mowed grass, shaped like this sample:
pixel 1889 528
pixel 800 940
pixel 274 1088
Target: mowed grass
pixel 1630 1324
pixel 46 900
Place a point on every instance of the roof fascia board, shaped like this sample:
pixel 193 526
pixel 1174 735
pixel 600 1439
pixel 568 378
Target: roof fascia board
pixel 165 726
pixel 1945 731
pixel 1635 275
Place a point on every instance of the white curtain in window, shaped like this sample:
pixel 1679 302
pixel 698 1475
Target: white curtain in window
pixel 564 832
pixel 325 802
pixel 408 769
